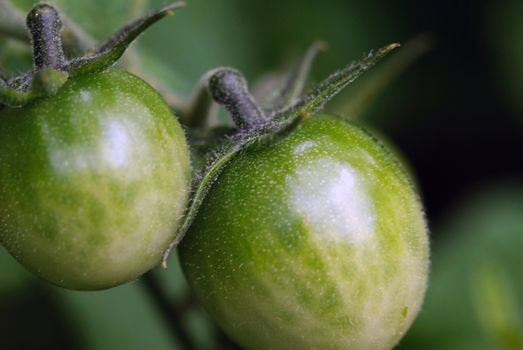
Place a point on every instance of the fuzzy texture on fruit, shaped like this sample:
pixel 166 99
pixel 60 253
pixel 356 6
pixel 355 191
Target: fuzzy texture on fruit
pixel 318 241
pixel 93 181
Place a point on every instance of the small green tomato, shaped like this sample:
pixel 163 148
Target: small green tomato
pixel 93 181
pixel 94 168
pixel 318 241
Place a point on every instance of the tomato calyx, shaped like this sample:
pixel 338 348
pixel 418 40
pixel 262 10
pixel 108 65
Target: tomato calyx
pixel 52 69
pixel 254 125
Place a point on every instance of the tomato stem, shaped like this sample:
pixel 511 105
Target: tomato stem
pixel 168 312
pixel 229 88
pixel 174 314
pixel 45 26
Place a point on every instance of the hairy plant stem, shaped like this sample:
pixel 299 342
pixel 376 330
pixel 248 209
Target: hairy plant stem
pixel 45 26
pixel 228 87
pixel 172 315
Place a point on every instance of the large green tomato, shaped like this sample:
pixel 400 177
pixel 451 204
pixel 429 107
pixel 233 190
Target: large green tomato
pixel 316 242
pixel 93 181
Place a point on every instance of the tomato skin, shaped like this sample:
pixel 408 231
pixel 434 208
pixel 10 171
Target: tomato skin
pixel 316 242
pixel 93 181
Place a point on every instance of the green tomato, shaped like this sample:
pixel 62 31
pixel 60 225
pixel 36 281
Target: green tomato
pixel 318 241
pixel 93 181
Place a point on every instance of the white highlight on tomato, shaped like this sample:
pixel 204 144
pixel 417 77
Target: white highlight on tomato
pixel 330 196
pixel 116 146
pixel 114 150
pixel 85 96
pixel 302 147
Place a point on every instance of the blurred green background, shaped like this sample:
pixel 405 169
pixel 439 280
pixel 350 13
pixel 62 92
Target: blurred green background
pixel 456 114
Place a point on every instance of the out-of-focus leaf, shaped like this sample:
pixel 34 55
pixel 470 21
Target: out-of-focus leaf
pixel 355 102
pixel 119 318
pixel 503 30
pixel 275 91
pixel 200 327
pixel 12 21
pixel 89 14
pixel 497 306
pixel 15 57
pixel 487 228
pixel 158 73
pixel 13 277
pixel 112 49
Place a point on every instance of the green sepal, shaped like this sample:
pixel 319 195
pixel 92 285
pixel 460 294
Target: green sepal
pixel 334 84
pixel 109 52
pixel 294 84
pixel 45 82
pixel 356 104
pixel 13 97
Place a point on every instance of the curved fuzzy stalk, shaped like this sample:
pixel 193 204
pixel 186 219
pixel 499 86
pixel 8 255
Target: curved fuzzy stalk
pixel 45 27
pixel 228 87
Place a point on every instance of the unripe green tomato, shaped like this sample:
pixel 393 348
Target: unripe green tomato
pixel 316 242
pixel 93 181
